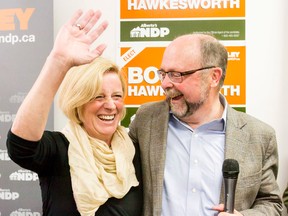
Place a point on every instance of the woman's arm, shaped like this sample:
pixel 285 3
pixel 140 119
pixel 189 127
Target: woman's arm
pixel 72 47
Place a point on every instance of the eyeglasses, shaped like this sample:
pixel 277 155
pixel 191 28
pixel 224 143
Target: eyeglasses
pixel 177 77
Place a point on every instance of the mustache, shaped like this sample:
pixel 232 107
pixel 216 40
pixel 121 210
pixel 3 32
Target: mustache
pixel 170 93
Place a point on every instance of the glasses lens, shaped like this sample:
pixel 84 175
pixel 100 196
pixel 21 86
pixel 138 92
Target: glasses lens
pixel 175 76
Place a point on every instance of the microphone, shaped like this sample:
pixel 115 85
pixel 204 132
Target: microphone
pixel 230 170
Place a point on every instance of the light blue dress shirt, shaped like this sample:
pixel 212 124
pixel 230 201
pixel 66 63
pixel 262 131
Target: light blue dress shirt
pixel 193 167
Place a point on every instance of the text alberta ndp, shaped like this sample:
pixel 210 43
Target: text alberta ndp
pixel 149 30
pixel 167 30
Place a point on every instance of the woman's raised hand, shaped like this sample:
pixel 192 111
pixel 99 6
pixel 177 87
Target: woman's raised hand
pixel 73 43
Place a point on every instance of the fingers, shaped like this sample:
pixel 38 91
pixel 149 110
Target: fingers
pixel 75 17
pixel 99 50
pixel 87 21
pixel 94 34
pixel 80 33
pixel 90 20
pixel 219 207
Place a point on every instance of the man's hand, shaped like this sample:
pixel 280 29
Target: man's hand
pixel 220 208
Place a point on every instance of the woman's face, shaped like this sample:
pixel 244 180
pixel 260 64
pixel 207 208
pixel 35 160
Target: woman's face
pixel 102 115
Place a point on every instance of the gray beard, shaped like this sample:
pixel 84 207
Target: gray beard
pixel 187 109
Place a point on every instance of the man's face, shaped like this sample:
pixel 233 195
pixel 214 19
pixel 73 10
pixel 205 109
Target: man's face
pixel 187 97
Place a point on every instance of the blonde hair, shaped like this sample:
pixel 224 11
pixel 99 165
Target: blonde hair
pixel 82 83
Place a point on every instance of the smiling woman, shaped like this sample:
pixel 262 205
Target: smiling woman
pixel 91 167
pixel 84 83
pixel 92 96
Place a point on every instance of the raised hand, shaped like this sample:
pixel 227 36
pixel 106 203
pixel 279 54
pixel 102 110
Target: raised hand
pixel 73 44
pixel 72 47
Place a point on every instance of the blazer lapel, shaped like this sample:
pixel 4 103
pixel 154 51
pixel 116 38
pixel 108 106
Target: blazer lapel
pixel 236 140
pixel 157 151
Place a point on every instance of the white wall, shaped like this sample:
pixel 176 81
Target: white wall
pixel 267 61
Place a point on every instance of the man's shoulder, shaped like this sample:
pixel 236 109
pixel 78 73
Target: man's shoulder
pixel 243 119
pixel 152 110
pixel 156 105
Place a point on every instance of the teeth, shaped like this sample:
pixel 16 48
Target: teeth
pixel 107 117
pixel 174 95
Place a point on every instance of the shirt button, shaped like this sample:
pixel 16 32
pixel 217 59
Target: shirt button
pixel 195 161
pixel 193 190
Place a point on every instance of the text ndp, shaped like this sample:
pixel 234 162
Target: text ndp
pixel 151 31
pixel 9 18
pixel 23 175
pixel 8 195
pixel 4 155
pixel 7 117
pixel 24 212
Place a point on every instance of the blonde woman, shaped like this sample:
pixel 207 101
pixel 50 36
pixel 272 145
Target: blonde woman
pixel 91 167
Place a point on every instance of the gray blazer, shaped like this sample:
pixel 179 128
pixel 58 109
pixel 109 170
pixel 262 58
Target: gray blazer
pixel 251 142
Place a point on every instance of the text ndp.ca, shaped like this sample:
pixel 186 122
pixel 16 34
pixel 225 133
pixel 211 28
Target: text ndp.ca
pixel 13 39
pixel 181 4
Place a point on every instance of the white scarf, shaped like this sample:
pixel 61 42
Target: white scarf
pixel 99 172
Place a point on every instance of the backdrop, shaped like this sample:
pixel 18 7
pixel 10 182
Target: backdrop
pixel 26 37
pixel 265 61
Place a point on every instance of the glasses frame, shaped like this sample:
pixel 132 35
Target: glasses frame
pixel 179 74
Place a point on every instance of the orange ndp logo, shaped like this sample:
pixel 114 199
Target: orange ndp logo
pixel 9 18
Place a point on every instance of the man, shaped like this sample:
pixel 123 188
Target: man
pixel 185 139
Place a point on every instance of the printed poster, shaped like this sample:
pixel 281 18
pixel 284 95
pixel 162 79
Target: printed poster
pixel 147 26
pixel 26 38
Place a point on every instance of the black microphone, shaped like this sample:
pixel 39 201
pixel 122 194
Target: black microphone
pixel 230 170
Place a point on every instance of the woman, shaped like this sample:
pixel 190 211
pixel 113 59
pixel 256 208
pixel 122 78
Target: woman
pixel 86 169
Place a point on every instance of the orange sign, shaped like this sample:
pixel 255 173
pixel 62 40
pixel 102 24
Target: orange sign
pixel 181 9
pixel 143 84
